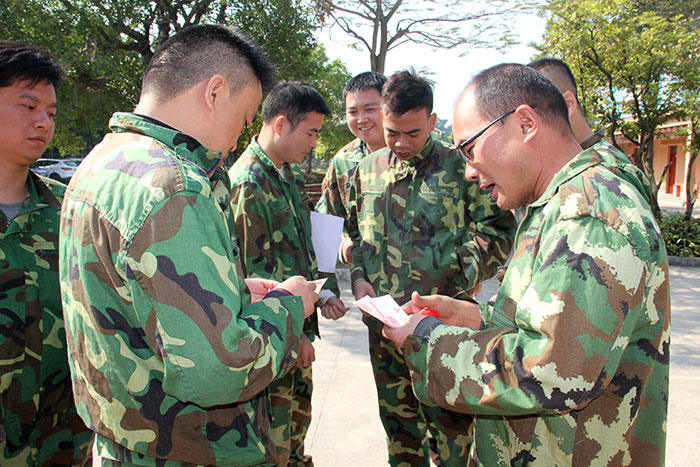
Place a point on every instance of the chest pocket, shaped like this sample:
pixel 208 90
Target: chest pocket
pixel 281 217
pixel 440 209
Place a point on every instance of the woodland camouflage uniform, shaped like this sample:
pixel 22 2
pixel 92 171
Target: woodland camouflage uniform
pixel 572 364
pixel 420 225
pixel 39 424
pixel 170 360
pixel 271 211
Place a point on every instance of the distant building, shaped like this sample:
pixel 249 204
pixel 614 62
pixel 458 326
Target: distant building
pixel 672 145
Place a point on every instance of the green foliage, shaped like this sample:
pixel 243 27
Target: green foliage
pixel 682 236
pixel 634 62
pixel 105 45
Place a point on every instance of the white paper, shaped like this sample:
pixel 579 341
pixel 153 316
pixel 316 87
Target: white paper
pixel 385 309
pixel 325 235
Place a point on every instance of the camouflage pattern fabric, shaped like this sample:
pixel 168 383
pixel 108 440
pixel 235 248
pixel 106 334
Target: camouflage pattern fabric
pixel 40 425
pixel 271 211
pixel 571 367
pixel 170 360
pixel 290 401
pixel 420 225
pixel 335 189
pixel 620 164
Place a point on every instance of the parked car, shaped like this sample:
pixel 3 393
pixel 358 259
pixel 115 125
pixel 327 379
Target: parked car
pixel 57 169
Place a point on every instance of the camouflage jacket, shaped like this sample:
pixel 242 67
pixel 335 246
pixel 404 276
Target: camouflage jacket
pixel 621 165
pixel 335 190
pixel 420 225
pixel 40 422
pixel 169 358
pixel 271 211
pixel 571 367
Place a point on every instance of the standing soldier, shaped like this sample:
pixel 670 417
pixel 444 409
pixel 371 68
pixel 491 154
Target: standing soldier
pixel 271 210
pixel 39 423
pixel 418 224
pixel 170 349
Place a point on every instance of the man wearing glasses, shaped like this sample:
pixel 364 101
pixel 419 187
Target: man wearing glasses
pixel 569 365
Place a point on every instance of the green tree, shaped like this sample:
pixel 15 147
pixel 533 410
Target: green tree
pixel 105 45
pixel 631 60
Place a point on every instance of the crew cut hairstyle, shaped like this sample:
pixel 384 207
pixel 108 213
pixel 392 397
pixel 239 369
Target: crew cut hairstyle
pixel 558 69
pixel 504 87
pixel 293 99
pixel 406 90
pixel 199 52
pixel 364 81
pixel 19 62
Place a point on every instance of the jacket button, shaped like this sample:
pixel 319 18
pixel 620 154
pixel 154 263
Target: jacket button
pixel 29 226
pixel 416 347
pixel 5 264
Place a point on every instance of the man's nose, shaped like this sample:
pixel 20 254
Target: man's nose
pixel 472 173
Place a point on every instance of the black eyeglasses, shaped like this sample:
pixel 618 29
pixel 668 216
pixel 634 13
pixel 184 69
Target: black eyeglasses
pixel 461 147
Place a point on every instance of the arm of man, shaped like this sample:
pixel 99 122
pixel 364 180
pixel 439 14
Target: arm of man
pixel 252 220
pixel 574 321
pixel 196 312
pixel 488 236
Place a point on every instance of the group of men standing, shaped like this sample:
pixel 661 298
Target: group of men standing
pixel 187 291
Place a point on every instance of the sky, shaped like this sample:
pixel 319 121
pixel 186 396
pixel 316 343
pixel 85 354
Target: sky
pixel 450 71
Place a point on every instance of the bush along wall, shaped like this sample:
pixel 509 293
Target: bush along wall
pixel 682 237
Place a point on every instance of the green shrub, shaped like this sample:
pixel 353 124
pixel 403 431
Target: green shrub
pixel 682 237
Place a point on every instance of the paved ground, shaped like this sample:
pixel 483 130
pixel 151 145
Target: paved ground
pixel 346 431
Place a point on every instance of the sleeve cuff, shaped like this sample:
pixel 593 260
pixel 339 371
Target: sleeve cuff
pixel 425 328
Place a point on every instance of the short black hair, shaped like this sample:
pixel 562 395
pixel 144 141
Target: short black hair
pixel 363 81
pixel 19 62
pixel 504 87
pixel 293 99
pixel 198 52
pixel 406 90
pixel 555 68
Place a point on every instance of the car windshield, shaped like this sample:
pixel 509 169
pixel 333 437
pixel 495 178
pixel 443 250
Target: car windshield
pixel 71 163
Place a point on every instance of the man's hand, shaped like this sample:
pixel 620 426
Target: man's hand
pixel 362 288
pixel 307 354
pixel 259 288
pixel 297 285
pixel 398 335
pixel 346 250
pixel 334 308
pixel 451 311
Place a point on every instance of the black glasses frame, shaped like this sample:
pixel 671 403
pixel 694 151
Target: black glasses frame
pixel 461 147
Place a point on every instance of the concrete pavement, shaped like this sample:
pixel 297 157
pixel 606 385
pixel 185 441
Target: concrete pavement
pixel 346 431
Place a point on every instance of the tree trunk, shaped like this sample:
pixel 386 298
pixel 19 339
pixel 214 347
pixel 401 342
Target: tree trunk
pixel 691 195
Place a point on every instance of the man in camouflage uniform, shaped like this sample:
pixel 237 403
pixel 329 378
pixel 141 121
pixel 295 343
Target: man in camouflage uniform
pixel 560 75
pixel 570 364
pixel 170 349
pixel 39 423
pixel 363 113
pixel 271 210
pixel 418 224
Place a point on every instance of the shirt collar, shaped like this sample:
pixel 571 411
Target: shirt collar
pixel 184 145
pixel 581 162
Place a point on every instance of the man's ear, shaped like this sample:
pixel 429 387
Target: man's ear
pixel 529 122
pixel 571 102
pixel 278 123
pixel 431 121
pixel 214 90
